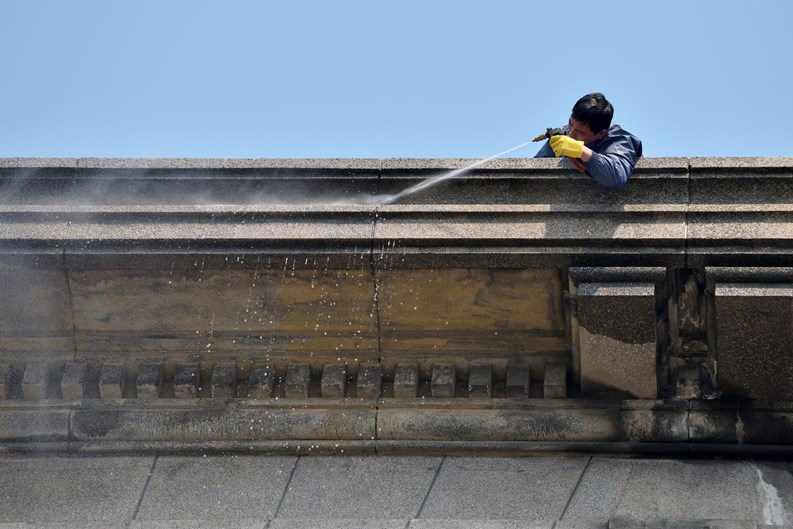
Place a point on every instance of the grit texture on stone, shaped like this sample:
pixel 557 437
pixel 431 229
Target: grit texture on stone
pixel 444 381
pixel 489 488
pixel 298 379
pixel 406 379
pixel 74 380
pixel 149 381
pixel 112 381
pixel 224 381
pixel 72 489
pixel 617 333
pixel 518 381
pixel 334 381
pixel 370 380
pixel 555 381
pixel 218 488
pixel 381 487
pixel 755 330
pixel 261 381
pixel 185 381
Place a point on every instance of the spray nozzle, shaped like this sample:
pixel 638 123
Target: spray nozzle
pixel 558 131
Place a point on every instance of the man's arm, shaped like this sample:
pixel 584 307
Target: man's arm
pixel 613 165
pixel 545 151
pixel 611 170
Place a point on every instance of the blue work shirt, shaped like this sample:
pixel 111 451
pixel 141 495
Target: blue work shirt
pixel 613 157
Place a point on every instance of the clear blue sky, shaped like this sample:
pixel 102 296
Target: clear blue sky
pixel 380 79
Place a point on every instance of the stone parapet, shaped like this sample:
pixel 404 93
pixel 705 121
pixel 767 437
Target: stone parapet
pixel 211 279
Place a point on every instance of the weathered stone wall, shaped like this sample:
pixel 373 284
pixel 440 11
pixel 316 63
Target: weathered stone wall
pixel 677 287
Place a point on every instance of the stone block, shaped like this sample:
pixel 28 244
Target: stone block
pixel 36 315
pixel 298 380
pixel 185 381
pixel 32 424
pixel 555 381
pixel 224 381
pixel 754 326
pixel 627 522
pixel 326 494
pixel 496 489
pixel 518 381
pixel 35 381
pixel 112 381
pixel 492 306
pixel 175 303
pixel 617 339
pixel 706 494
pixel 444 380
pixel 334 381
pixel 261 381
pixel 5 381
pixel 688 384
pixel 148 384
pixel 480 380
pixel 214 491
pixel 73 381
pixel 204 423
pixel 370 380
pixel 62 492
pixel 406 381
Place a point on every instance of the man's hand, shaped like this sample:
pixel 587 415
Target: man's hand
pixel 567 146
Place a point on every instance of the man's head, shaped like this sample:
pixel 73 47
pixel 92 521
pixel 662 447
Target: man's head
pixel 591 118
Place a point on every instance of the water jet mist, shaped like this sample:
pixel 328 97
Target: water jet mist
pixel 429 182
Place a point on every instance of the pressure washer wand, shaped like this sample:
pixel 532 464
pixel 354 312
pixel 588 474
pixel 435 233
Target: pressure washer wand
pixel 390 199
pixel 560 132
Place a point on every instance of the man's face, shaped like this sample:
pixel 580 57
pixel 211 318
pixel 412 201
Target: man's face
pixel 580 131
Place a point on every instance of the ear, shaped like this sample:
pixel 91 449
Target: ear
pixel 602 134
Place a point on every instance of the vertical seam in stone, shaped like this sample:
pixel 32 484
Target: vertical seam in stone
pixel 374 267
pixel 143 492
pixel 686 216
pixel 286 489
pixel 429 489
pixel 377 418
pixel 375 286
pixel 70 438
pixel 67 278
pixel 575 489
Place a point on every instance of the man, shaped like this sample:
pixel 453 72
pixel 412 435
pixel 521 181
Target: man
pixel 608 152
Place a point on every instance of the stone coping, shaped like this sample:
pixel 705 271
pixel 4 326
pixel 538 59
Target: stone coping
pixel 507 163
pixel 391 164
pixel 712 211
pixel 394 426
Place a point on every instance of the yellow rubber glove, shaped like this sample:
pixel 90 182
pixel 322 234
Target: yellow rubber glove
pixel 566 146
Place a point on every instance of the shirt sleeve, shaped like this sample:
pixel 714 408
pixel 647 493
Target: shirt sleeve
pixel 545 151
pixel 613 166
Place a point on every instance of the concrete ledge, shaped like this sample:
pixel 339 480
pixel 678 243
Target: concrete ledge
pixel 278 419
pixel 393 426
pixel 666 523
pixel 38 163
pixel 740 162
pixel 42 422
pixel 512 208
pixel 533 420
pixel 345 164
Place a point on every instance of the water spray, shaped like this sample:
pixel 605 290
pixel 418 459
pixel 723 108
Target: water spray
pixel 429 182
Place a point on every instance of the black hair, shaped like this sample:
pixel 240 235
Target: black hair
pixel 594 110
